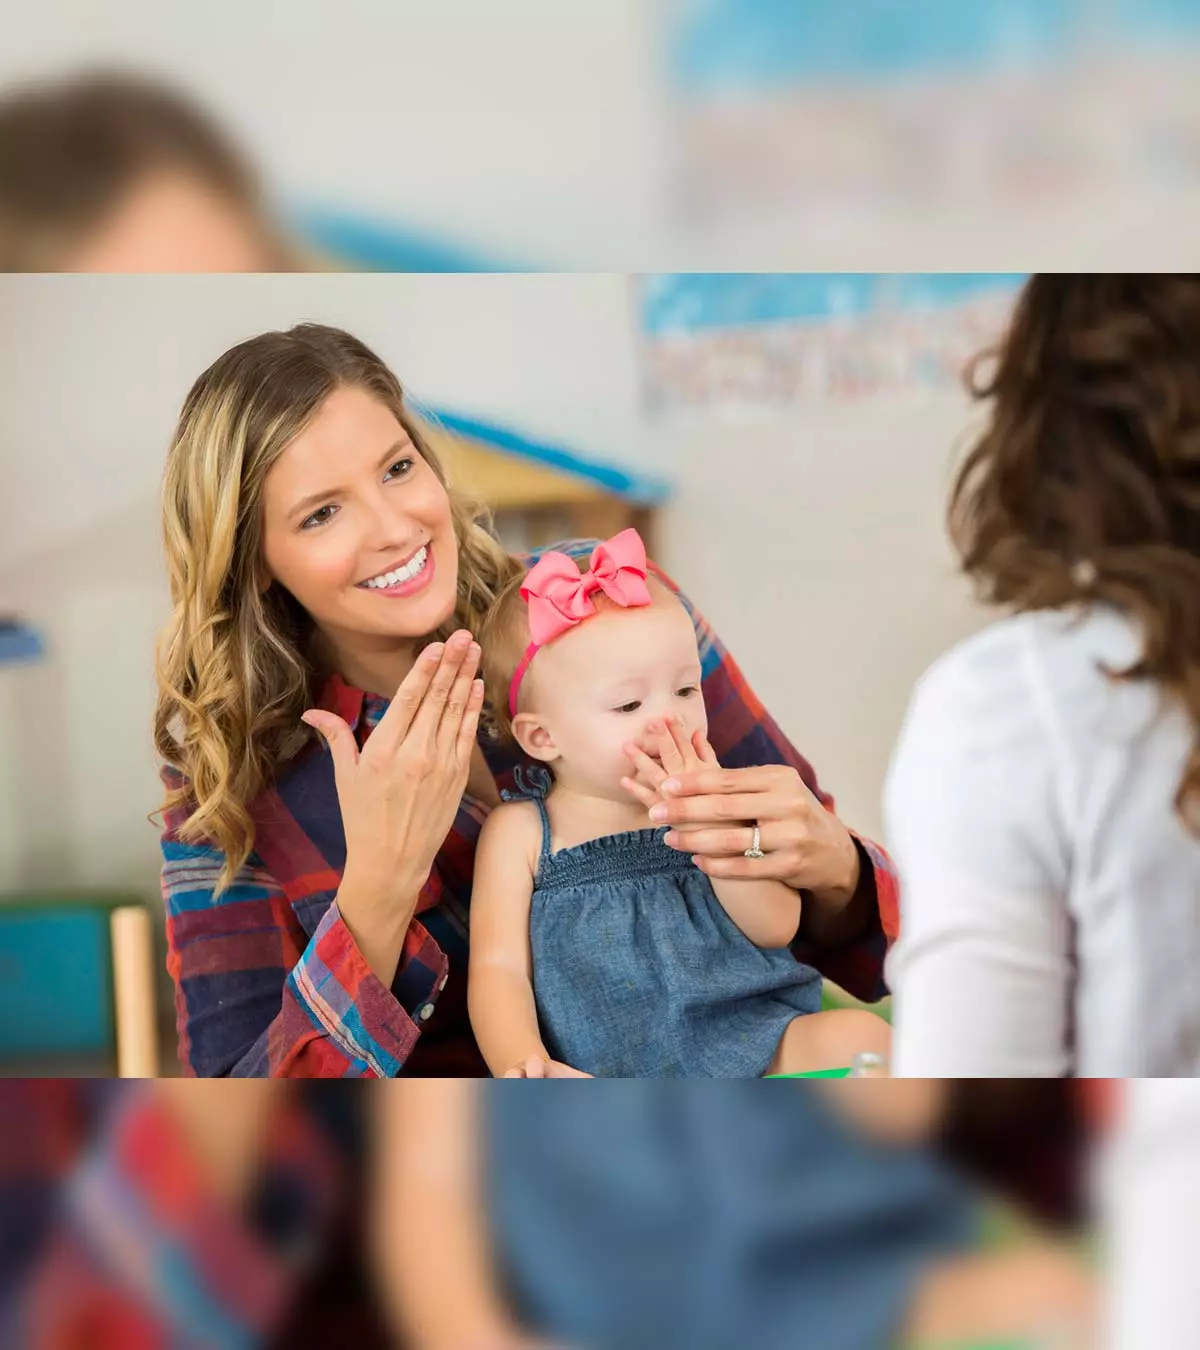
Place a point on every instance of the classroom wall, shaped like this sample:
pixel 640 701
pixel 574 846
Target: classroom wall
pixel 812 538
pixel 94 368
pixel 814 543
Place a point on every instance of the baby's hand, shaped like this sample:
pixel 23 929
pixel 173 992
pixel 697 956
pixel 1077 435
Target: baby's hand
pixel 537 1066
pixel 669 751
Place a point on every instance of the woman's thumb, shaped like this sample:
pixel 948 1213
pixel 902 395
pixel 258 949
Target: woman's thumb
pixel 337 736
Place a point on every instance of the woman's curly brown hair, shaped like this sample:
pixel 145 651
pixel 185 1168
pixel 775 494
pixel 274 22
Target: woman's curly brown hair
pixel 1085 483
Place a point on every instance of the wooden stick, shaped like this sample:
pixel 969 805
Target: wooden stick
pixel 134 992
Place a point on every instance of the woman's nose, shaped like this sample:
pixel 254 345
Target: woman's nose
pixel 387 530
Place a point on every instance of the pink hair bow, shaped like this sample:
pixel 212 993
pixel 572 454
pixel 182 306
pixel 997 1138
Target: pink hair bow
pixel 560 596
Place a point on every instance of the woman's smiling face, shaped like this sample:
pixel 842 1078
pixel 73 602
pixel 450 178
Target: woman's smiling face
pixel 357 526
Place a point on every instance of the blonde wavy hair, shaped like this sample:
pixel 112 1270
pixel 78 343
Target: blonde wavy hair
pixel 237 663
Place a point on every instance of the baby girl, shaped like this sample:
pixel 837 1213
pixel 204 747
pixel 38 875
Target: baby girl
pixel 595 946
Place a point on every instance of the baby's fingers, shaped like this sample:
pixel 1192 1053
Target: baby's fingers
pixel 646 795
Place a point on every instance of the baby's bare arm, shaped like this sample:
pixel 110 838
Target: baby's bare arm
pixel 768 912
pixel 429 1245
pixel 500 977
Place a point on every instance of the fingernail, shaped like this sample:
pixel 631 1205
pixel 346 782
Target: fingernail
pixel 433 651
pixel 671 785
pixel 658 813
pixel 670 839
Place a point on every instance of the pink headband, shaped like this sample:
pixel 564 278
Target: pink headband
pixel 560 597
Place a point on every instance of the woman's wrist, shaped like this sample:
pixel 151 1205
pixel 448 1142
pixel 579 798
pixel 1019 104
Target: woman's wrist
pixel 845 876
pixel 382 884
pixel 840 915
pixel 378 915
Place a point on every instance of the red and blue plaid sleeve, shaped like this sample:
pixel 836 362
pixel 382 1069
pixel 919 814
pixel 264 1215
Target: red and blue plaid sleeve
pixel 255 996
pixel 135 1251
pixel 743 733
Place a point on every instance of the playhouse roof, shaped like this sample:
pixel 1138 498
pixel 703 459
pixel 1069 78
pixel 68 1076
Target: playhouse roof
pixel 506 467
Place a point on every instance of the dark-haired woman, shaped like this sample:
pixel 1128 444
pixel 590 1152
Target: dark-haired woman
pixel 1044 801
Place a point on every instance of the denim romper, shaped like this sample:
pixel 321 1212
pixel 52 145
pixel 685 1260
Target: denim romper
pixel 639 972
pixel 710 1216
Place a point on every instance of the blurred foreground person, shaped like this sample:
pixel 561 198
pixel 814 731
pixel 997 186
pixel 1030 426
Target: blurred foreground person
pixel 697 1215
pixel 141 1216
pixel 115 172
pixel 182 1214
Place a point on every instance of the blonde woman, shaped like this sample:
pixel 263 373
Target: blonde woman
pixel 325 579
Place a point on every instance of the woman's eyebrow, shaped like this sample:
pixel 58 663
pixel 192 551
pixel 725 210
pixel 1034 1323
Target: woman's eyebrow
pixel 316 498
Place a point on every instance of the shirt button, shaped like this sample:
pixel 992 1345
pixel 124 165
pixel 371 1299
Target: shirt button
pixel 427 1012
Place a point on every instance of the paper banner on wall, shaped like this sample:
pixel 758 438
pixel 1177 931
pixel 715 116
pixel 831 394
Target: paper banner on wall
pixel 771 340
pixel 786 104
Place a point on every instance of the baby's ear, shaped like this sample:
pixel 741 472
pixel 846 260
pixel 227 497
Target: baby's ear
pixel 534 737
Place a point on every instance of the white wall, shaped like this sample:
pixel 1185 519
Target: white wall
pixel 78 777
pixel 813 540
pixel 94 368
pixel 815 545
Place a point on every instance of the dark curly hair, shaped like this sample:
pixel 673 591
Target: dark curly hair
pixel 1085 482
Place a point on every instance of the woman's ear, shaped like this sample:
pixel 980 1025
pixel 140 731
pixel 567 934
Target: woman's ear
pixel 534 737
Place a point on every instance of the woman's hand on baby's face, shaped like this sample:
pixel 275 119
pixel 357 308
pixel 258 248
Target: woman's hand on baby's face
pixel 712 813
pixel 667 750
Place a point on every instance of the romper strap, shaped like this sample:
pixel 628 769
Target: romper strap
pixel 533 783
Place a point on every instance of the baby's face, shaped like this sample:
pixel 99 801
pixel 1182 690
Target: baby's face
pixel 599 685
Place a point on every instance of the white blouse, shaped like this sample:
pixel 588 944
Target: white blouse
pixel 1149 1201
pixel 1050 895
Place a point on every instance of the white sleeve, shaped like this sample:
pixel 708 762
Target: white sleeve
pixel 1150 1202
pixel 982 971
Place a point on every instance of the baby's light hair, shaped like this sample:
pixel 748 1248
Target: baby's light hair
pixel 504 638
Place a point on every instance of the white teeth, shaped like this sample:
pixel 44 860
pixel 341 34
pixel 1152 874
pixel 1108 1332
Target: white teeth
pixel 406 573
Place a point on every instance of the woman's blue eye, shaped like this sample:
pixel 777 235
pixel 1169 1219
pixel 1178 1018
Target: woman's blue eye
pixel 321 516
